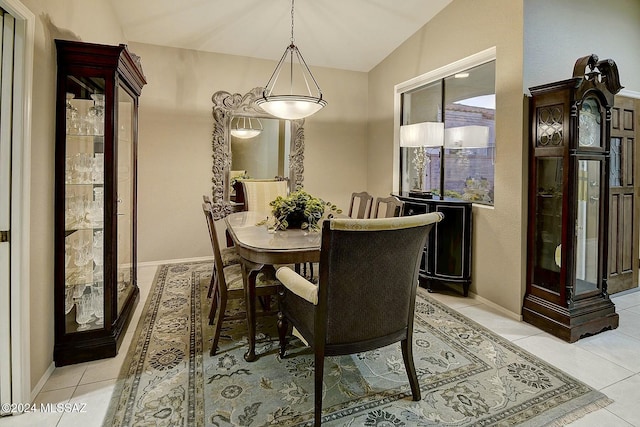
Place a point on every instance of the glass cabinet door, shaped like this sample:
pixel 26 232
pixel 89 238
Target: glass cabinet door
pixel 548 225
pixel 126 194
pixel 84 204
pixel 588 226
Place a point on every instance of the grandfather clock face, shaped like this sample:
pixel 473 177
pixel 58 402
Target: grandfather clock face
pixel 589 124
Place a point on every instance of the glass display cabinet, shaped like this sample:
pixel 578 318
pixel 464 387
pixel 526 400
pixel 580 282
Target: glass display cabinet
pixel 95 198
pixel 568 202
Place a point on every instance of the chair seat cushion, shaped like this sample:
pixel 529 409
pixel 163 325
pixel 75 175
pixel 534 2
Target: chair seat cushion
pixel 229 256
pixel 233 277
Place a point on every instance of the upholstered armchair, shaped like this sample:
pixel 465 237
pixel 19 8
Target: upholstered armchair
pixel 365 297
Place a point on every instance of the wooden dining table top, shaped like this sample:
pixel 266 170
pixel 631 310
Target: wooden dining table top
pixel 259 244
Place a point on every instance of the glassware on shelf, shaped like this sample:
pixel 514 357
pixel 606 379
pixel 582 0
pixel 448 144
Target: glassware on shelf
pixel 97 171
pixel 68 297
pixel 84 310
pixel 83 164
pixel 94 213
pixel 96 114
pixel 78 290
pixel 69 170
pixel 82 257
pixel 97 292
pixel 67 254
pixel 73 123
pixel 98 273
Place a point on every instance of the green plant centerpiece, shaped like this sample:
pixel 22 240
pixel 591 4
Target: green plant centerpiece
pixel 300 210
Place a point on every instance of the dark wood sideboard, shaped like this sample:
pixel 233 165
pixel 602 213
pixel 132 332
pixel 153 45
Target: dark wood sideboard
pixel 447 254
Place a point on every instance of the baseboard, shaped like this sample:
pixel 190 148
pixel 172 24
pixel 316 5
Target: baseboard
pixel 43 380
pixel 496 307
pixel 174 261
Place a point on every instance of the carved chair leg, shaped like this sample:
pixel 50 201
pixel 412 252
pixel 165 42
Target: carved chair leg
pixel 216 335
pixel 283 326
pixel 214 305
pixel 319 372
pixel 407 355
pixel 213 283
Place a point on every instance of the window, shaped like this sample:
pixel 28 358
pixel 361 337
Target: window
pixel 458 161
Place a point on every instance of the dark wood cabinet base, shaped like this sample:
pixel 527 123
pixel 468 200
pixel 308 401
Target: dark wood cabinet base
pixel 432 285
pixel 588 317
pixel 101 346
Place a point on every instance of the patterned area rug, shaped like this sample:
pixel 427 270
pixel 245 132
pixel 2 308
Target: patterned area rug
pixel 468 375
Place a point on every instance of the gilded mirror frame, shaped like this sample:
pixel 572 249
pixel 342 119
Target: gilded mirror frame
pixel 226 106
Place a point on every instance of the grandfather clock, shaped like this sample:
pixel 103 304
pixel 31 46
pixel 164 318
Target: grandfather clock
pixel 568 202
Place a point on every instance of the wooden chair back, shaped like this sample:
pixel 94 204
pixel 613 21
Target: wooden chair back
pixel 361 204
pixel 388 207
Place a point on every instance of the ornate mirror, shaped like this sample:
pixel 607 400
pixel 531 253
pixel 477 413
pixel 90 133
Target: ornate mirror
pixel 277 151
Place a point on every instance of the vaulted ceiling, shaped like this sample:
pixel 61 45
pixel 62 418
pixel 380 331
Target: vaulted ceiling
pixel 345 34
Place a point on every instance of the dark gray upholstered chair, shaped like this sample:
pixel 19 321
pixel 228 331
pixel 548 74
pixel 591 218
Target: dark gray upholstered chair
pixel 230 284
pixel 365 297
pixel 388 207
pixel 361 204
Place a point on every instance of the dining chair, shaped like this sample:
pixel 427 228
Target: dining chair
pixel 229 257
pixel 365 298
pixel 230 283
pixel 259 193
pixel 360 206
pixel 388 207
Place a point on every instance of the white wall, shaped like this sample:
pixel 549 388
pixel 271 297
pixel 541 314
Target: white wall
pixel 556 33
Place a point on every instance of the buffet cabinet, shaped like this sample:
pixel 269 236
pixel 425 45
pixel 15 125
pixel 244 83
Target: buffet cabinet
pixel 95 199
pixel 446 258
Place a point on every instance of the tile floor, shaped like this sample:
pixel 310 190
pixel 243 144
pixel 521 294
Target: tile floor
pixel 609 362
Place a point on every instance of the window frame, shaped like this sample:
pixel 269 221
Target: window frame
pixel 441 73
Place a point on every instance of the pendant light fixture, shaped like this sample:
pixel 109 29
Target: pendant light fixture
pixel 291 106
pixel 243 131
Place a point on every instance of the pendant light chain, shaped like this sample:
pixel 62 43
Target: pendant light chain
pixel 291 51
pixel 292 22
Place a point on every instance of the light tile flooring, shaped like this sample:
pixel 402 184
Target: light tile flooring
pixel 609 362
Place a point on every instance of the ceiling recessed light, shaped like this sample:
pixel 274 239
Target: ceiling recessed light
pixel 461 75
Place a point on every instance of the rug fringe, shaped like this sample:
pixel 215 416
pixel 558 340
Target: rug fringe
pixel 580 412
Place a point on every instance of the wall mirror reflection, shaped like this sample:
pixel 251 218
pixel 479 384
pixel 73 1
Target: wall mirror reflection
pixel 260 149
pixel 248 143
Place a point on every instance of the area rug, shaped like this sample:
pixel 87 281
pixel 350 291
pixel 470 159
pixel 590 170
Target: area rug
pixel 468 375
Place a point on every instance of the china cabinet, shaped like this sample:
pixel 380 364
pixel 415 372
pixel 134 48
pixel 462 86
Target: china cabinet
pixel 446 258
pixel 568 202
pixel 95 198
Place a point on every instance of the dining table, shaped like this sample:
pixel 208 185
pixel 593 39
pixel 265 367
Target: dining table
pixel 260 247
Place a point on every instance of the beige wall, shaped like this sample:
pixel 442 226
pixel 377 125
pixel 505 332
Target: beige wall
pixel 463 28
pixel 68 19
pixel 175 128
